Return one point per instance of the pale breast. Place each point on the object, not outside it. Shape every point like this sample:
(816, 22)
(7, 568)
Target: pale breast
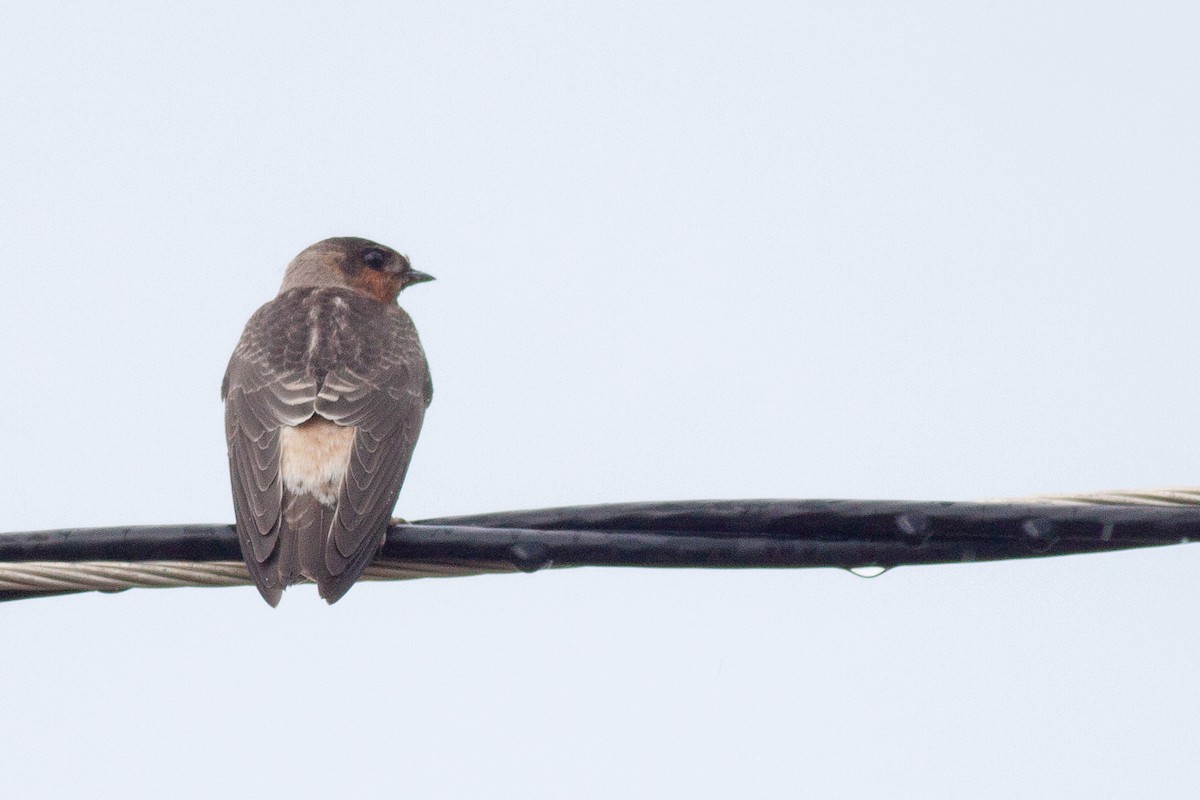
(313, 458)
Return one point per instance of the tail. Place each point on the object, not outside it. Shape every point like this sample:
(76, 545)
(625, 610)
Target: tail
(302, 543)
(306, 522)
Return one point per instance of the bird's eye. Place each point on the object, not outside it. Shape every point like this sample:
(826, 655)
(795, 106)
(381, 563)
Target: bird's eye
(373, 259)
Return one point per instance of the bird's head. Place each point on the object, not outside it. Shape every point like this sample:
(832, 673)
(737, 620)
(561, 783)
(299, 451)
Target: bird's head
(374, 269)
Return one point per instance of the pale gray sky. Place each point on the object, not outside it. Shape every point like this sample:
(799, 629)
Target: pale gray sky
(866, 250)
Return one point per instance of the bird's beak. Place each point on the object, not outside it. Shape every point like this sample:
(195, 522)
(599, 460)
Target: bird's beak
(413, 276)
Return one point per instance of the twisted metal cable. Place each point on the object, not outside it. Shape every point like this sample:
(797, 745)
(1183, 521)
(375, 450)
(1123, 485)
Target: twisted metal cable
(734, 533)
(1158, 497)
(115, 576)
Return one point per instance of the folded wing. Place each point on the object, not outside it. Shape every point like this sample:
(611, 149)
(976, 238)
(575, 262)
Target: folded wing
(381, 390)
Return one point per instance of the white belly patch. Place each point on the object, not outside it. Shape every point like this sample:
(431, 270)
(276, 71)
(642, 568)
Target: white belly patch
(313, 458)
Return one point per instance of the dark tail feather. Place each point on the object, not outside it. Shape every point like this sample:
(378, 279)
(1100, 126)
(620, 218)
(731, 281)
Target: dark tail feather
(302, 543)
(306, 524)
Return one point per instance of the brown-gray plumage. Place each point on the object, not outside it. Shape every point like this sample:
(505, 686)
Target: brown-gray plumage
(324, 399)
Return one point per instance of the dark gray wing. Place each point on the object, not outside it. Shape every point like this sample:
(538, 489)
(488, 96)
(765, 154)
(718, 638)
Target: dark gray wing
(267, 385)
(381, 387)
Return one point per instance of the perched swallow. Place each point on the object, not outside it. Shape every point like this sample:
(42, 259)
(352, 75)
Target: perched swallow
(324, 399)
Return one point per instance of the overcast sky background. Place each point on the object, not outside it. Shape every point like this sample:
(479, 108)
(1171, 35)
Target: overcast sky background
(844, 250)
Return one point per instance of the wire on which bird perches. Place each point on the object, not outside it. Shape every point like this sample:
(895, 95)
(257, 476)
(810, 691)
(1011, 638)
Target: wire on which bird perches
(850, 534)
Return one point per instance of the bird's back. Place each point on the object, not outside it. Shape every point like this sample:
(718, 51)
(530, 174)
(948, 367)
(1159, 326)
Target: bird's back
(325, 395)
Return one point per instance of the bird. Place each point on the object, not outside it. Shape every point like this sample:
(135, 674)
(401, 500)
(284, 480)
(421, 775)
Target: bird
(325, 394)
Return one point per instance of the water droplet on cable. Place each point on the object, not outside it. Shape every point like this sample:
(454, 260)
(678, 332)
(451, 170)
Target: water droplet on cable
(869, 570)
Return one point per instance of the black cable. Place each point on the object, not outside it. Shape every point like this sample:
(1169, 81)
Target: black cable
(725, 533)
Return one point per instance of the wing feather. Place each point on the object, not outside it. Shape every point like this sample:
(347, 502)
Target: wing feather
(383, 396)
(266, 386)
